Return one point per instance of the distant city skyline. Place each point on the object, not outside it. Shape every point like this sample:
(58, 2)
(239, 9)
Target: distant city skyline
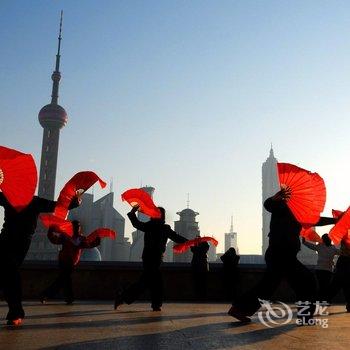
(186, 97)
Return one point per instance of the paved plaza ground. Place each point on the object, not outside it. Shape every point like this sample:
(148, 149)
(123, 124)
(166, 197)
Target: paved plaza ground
(95, 325)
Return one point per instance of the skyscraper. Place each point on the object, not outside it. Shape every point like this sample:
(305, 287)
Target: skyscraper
(212, 256)
(231, 238)
(101, 213)
(269, 187)
(52, 118)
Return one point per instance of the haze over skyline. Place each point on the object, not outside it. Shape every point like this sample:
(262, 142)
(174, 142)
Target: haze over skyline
(185, 97)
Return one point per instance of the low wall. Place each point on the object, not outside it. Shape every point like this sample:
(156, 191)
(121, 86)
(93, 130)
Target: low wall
(100, 280)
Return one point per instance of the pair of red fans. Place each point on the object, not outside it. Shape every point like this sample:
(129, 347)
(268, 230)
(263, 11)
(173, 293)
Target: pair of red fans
(137, 196)
(307, 201)
(73, 189)
(18, 181)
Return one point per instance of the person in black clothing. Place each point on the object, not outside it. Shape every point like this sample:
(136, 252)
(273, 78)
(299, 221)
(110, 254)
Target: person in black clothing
(156, 236)
(281, 262)
(230, 272)
(200, 268)
(15, 239)
(325, 261)
(341, 277)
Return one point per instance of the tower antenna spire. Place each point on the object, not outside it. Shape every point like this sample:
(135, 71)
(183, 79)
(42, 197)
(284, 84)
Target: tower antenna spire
(56, 75)
(111, 185)
(188, 200)
(58, 56)
(231, 227)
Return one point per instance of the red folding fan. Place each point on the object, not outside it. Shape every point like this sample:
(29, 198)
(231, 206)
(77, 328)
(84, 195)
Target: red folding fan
(9, 153)
(18, 177)
(137, 196)
(341, 228)
(182, 247)
(101, 233)
(310, 234)
(77, 185)
(57, 224)
(308, 192)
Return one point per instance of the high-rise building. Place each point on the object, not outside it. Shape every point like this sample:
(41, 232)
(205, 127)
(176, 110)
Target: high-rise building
(269, 187)
(101, 213)
(137, 236)
(212, 256)
(52, 118)
(187, 227)
(231, 238)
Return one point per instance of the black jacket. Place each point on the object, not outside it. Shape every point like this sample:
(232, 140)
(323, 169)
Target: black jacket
(284, 228)
(20, 225)
(156, 236)
(199, 260)
(23, 223)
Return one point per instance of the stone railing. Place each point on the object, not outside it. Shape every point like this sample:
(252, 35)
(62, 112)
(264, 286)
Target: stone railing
(100, 280)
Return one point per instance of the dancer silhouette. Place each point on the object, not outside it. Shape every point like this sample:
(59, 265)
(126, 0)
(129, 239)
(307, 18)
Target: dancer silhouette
(341, 275)
(200, 268)
(15, 238)
(325, 263)
(281, 262)
(68, 258)
(230, 273)
(156, 236)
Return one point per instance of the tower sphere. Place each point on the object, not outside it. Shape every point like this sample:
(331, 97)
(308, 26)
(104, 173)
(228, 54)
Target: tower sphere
(53, 116)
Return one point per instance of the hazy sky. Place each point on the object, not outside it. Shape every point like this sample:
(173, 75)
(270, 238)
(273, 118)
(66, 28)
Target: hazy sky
(185, 96)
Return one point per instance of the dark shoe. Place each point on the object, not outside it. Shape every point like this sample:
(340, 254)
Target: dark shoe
(16, 323)
(348, 307)
(118, 300)
(43, 299)
(69, 301)
(156, 308)
(239, 315)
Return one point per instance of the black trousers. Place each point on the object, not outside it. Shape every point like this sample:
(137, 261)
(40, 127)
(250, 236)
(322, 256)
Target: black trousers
(281, 265)
(341, 279)
(324, 279)
(199, 279)
(12, 254)
(151, 278)
(63, 281)
(230, 279)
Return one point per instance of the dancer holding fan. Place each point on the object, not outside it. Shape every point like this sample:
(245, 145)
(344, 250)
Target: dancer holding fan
(156, 236)
(18, 179)
(341, 276)
(68, 234)
(340, 234)
(326, 252)
(69, 256)
(299, 203)
(199, 247)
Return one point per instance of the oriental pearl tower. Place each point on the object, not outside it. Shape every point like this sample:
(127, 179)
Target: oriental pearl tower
(52, 118)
